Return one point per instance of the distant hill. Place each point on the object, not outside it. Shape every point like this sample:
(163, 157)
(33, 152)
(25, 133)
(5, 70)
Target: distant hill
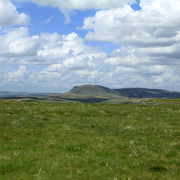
(94, 94)
(147, 93)
(93, 90)
(96, 90)
(20, 94)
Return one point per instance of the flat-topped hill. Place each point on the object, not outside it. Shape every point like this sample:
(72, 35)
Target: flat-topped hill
(93, 90)
(96, 90)
(95, 94)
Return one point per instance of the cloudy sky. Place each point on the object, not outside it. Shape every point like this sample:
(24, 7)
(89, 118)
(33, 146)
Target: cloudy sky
(53, 45)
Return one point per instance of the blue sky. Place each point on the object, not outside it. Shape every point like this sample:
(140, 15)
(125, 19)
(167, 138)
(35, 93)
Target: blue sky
(53, 45)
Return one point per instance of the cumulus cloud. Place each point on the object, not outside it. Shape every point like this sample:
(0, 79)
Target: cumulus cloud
(149, 56)
(16, 42)
(57, 62)
(85, 4)
(150, 36)
(18, 75)
(9, 16)
(60, 57)
(66, 6)
(99, 69)
(156, 24)
(132, 68)
(127, 56)
(46, 48)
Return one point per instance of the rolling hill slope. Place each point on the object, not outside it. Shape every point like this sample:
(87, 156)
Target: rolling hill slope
(147, 93)
(95, 90)
(94, 94)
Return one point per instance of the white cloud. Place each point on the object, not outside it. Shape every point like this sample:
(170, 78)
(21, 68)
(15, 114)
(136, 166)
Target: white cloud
(85, 4)
(125, 56)
(18, 75)
(17, 43)
(149, 56)
(46, 48)
(9, 16)
(60, 57)
(66, 6)
(48, 20)
(149, 37)
(156, 24)
(57, 62)
(135, 73)
(55, 68)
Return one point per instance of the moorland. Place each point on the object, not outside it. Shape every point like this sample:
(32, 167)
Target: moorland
(94, 94)
(48, 139)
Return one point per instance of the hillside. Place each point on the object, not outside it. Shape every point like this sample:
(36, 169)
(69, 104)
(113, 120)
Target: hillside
(147, 93)
(93, 90)
(94, 94)
(8, 94)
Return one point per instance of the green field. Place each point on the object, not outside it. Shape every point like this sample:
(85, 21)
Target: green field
(43, 140)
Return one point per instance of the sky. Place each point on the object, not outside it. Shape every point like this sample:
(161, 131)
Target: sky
(53, 45)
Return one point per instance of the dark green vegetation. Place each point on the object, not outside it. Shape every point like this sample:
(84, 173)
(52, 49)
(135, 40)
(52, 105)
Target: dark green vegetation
(40, 140)
(96, 90)
(8, 94)
(95, 94)
(147, 93)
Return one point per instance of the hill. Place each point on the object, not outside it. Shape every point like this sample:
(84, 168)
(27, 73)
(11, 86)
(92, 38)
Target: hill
(147, 93)
(95, 94)
(93, 90)
(21, 94)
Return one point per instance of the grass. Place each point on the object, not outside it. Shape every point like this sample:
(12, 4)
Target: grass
(42, 140)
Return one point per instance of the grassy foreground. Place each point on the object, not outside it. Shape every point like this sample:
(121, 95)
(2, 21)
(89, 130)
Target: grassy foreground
(40, 140)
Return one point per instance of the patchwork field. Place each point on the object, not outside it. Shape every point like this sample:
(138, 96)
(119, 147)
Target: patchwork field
(43, 140)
